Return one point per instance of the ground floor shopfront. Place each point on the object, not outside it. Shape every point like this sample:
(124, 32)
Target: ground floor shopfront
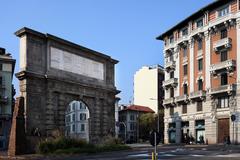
(211, 125)
(203, 130)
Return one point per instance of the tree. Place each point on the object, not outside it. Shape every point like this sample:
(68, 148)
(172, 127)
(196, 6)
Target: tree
(147, 123)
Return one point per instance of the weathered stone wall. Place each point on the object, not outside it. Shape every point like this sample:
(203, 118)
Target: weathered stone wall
(48, 91)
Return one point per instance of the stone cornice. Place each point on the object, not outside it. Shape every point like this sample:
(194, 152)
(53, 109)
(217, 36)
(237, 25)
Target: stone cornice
(23, 74)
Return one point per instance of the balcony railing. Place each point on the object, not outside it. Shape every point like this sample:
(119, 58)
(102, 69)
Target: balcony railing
(170, 46)
(183, 98)
(168, 101)
(198, 30)
(228, 65)
(170, 65)
(170, 83)
(183, 39)
(222, 43)
(229, 88)
(197, 95)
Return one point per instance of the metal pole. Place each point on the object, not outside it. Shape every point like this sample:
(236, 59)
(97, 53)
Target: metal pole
(155, 145)
(233, 133)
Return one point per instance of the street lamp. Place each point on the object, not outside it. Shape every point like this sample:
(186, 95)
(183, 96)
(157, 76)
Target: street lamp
(157, 113)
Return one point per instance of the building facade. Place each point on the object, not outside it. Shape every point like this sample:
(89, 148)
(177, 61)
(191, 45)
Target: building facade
(7, 65)
(77, 120)
(54, 73)
(129, 122)
(148, 89)
(202, 75)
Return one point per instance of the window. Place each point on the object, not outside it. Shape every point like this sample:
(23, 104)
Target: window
(223, 102)
(73, 128)
(224, 56)
(224, 33)
(1, 128)
(171, 92)
(82, 129)
(1, 144)
(185, 89)
(73, 106)
(132, 118)
(184, 51)
(1, 80)
(224, 79)
(200, 64)
(223, 12)
(185, 70)
(1, 66)
(200, 84)
(172, 74)
(171, 57)
(184, 109)
(73, 117)
(199, 23)
(200, 44)
(132, 126)
(82, 106)
(83, 116)
(199, 106)
(171, 39)
(185, 31)
(171, 111)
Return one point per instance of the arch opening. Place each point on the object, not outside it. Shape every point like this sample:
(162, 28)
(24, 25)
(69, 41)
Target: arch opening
(77, 120)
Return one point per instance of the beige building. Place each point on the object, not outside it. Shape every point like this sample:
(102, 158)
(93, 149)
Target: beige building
(202, 75)
(147, 86)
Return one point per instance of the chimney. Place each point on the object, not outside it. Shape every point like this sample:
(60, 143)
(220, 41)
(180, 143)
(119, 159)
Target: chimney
(2, 51)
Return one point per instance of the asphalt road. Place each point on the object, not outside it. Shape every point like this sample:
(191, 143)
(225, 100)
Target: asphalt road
(164, 152)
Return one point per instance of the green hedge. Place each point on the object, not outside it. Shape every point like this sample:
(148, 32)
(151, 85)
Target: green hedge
(73, 146)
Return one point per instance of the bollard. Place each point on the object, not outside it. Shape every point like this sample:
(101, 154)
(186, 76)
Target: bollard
(153, 156)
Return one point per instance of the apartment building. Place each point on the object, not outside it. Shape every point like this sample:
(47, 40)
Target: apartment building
(202, 75)
(148, 89)
(129, 122)
(7, 65)
(77, 120)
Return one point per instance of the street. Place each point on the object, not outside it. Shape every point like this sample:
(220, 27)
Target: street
(215, 152)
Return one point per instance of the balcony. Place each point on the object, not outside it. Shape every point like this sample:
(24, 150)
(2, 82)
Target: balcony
(183, 39)
(3, 99)
(168, 101)
(170, 83)
(229, 88)
(197, 95)
(170, 66)
(198, 31)
(222, 44)
(170, 47)
(181, 99)
(227, 65)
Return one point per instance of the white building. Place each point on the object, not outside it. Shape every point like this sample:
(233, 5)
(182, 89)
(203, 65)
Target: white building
(147, 86)
(76, 120)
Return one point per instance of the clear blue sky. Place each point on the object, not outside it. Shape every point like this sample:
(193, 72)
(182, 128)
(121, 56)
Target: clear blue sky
(124, 29)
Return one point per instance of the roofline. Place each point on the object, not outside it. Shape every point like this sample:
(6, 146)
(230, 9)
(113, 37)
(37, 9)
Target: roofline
(26, 30)
(193, 17)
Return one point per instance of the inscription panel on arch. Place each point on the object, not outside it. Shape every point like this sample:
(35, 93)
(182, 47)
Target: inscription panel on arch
(70, 62)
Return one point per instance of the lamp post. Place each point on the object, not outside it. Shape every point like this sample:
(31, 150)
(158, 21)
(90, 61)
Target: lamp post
(157, 112)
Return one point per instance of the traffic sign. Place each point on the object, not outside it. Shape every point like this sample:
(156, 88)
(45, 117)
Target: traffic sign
(233, 117)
